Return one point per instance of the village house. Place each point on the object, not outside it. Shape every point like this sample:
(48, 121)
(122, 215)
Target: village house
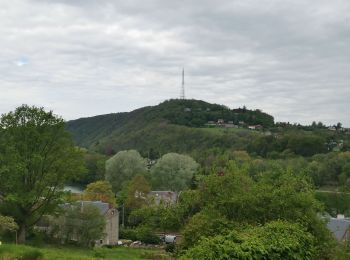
(111, 215)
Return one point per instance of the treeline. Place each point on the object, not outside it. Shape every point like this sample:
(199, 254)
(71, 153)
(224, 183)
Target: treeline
(196, 113)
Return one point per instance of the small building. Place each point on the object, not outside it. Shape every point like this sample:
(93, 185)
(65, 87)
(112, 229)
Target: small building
(165, 197)
(111, 215)
(187, 109)
(339, 226)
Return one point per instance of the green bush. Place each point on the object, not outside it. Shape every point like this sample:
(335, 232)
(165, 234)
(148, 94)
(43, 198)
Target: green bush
(142, 233)
(128, 233)
(275, 240)
(145, 235)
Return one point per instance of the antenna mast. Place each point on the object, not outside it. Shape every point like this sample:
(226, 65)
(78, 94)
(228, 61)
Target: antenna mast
(183, 85)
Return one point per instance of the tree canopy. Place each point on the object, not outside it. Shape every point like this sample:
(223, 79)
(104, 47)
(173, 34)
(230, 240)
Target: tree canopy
(100, 190)
(123, 166)
(173, 172)
(37, 157)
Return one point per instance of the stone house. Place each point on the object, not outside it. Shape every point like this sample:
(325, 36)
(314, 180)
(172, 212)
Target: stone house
(111, 215)
(112, 222)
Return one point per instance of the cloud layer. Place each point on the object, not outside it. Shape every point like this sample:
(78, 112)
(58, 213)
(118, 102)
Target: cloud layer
(87, 57)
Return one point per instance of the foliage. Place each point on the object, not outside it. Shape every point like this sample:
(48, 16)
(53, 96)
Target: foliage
(143, 233)
(122, 167)
(275, 194)
(275, 240)
(137, 193)
(9, 251)
(100, 191)
(7, 224)
(81, 222)
(37, 158)
(173, 172)
(204, 224)
(95, 165)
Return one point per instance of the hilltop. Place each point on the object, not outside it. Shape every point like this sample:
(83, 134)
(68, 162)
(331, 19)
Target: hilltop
(174, 125)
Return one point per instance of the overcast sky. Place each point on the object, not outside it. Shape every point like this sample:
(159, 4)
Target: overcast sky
(80, 58)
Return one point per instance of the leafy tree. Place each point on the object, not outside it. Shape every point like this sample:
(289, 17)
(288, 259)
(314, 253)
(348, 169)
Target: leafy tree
(137, 192)
(275, 240)
(81, 222)
(123, 166)
(95, 165)
(173, 172)
(37, 158)
(206, 223)
(7, 224)
(100, 190)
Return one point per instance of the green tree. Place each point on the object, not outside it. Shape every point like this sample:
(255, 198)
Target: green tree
(82, 222)
(173, 172)
(37, 157)
(100, 190)
(275, 240)
(7, 224)
(123, 166)
(137, 193)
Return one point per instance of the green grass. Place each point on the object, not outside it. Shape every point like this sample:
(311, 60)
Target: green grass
(10, 251)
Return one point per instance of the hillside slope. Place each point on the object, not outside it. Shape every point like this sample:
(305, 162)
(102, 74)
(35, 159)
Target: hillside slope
(174, 125)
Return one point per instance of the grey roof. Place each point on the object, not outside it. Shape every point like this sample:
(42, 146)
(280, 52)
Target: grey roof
(338, 227)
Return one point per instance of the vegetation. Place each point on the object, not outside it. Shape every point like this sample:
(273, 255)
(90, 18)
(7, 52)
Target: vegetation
(122, 167)
(79, 222)
(100, 191)
(72, 253)
(37, 157)
(275, 240)
(242, 194)
(173, 172)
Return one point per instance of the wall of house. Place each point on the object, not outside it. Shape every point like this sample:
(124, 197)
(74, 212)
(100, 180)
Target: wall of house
(112, 227)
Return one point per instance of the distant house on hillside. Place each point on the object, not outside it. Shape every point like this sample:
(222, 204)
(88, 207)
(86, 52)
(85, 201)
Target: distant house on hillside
(165, 197)
(339, 226)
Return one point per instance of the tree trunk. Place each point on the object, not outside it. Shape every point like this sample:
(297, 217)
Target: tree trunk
(22, 234)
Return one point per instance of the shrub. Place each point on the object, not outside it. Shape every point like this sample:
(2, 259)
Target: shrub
(145, 235)
(127, 233)
(142, 233)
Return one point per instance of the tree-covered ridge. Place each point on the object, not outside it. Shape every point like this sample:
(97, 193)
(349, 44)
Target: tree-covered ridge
(193, 113)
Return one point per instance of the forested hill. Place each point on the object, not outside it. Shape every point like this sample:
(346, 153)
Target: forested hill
(170, 123)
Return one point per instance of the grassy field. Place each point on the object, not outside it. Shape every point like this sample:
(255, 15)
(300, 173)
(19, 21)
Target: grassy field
(10, 251)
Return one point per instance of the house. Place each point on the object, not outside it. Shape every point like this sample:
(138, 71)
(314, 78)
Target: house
(339, 226)
(111, 215)
(165, 197)
(112, 221)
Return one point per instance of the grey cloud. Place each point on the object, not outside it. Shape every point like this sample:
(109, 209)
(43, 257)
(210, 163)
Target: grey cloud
(288, 58)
